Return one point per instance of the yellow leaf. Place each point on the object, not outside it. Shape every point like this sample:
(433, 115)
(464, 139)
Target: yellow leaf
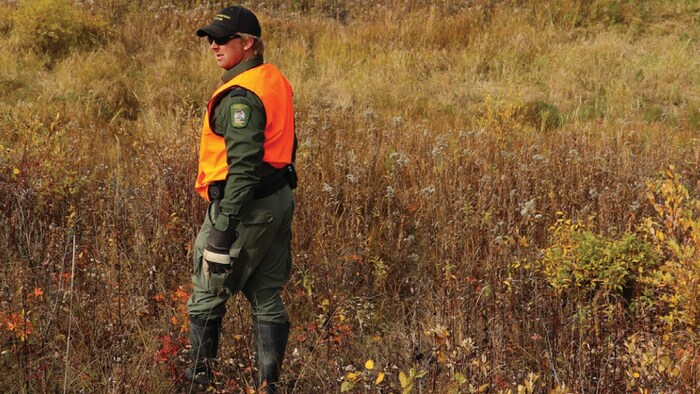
(15, 171)
(346, 386)
(483, 387)
(636, 375)
(352, 377)
(369, 365)
(380, 378)
(441, 357)
(405, 382)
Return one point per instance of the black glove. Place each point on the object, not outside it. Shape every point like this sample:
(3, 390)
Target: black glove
(216, 254)
(216, 261)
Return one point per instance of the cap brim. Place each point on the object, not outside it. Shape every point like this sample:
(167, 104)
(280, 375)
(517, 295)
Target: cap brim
(215, 31)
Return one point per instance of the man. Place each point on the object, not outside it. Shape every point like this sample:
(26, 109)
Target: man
(245, 171)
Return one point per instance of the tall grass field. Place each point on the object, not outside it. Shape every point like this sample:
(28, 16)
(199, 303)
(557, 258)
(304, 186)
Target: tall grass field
(495, 196)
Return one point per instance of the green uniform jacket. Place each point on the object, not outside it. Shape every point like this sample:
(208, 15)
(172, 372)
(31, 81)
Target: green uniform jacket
(244, 145)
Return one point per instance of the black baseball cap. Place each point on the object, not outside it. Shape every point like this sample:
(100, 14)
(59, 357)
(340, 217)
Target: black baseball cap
(232, 20)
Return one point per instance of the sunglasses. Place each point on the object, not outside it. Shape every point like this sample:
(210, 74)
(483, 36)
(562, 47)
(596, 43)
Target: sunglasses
(222, 40)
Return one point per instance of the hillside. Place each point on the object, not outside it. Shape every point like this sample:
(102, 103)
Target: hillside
(495, 196)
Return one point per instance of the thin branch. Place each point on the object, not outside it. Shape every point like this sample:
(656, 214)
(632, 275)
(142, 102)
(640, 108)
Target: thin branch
(70, 316)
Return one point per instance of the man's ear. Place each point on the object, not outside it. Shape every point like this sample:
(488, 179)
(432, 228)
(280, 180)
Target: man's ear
(249, 43)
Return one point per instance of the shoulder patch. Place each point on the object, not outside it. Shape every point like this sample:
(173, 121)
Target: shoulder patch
(240, 115)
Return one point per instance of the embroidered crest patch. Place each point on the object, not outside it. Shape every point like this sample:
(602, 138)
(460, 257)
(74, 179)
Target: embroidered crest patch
(240, 115)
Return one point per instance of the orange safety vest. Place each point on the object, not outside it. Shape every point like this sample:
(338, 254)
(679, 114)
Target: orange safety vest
(275, 92)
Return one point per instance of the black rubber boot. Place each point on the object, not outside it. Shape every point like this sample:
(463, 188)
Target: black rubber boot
(204, 338)
(270, 343)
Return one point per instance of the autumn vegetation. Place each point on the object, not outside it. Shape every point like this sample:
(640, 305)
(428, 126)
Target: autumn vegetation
(496, 196)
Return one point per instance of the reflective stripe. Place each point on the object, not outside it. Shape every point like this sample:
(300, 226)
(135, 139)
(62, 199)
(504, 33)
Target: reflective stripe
(218, 258)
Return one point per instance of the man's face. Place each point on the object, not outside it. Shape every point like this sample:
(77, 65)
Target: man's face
(228, 52)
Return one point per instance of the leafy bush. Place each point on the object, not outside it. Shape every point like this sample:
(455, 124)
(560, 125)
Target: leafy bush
(647, 361)
(661, 259)
(55, 27)
(578, 258)
(655, 267)
(676, 233)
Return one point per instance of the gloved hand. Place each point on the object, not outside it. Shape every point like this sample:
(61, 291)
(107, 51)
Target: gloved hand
(216, 258)
(216, 261)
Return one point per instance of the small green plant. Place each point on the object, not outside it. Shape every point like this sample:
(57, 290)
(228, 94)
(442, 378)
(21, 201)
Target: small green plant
(407, 380)
(580, 259)
(542, 115)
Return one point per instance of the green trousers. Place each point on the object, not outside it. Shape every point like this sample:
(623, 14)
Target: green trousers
(261, 258)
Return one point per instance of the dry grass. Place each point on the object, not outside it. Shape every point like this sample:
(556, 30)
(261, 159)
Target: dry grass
(440, 141)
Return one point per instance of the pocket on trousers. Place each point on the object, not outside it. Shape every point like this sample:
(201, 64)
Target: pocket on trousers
(217, 282)
(259, 217)
(253, 227)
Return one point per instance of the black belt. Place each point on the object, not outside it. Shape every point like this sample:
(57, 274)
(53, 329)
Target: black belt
(270, 187)
(216, 189)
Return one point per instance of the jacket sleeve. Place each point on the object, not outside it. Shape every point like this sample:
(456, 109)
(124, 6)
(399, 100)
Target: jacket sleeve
(240, 116)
